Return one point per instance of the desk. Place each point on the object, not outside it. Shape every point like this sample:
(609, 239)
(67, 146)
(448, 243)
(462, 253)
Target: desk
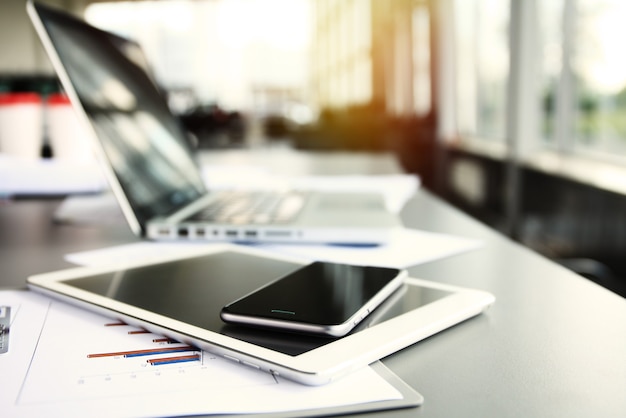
(553, 345)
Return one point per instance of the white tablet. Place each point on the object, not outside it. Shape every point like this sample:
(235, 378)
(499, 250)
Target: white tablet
(181, 298)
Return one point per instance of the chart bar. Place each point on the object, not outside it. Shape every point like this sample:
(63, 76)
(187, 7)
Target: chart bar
(141, 331)
(148, 352)
(173, 360)
(165, 340)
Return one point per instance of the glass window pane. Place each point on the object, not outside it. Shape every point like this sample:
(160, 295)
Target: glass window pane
(599, 65)
(421, 60)
(493, 67)
(465, 24)
(482, 48)
(550, 15)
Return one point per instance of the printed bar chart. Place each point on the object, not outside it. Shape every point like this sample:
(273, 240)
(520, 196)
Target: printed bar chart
(196, 355)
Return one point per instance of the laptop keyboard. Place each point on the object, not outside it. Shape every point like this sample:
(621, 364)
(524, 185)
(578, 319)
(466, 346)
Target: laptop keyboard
(252, 208)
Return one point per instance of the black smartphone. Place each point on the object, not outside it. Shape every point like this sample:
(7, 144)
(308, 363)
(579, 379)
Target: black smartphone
(320, 298)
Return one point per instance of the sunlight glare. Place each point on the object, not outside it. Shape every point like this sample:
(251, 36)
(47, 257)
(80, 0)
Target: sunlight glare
(283, 24)
(603, 62)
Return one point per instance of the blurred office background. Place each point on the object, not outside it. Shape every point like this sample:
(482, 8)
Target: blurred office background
(512, 110)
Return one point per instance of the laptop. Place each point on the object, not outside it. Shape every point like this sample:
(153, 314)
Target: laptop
(151, 167)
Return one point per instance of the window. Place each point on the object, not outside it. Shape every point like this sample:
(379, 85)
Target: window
(482, 58)
(551, 26)
(579, 93)
(343, 52)
(599, 68)
(421, 60)
(233, 52)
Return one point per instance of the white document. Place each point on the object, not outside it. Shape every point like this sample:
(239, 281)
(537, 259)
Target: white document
(64, 361)
(48, 177)
(408, 247)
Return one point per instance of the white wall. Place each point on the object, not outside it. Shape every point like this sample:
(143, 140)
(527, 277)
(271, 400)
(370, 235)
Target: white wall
(20, 49)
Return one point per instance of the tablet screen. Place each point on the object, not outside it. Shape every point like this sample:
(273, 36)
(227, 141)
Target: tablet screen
(194, 290)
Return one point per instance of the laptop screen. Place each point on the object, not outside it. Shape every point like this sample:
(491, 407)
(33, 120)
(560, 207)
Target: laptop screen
(143, 142)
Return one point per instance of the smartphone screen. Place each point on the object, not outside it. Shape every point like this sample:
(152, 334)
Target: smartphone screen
(320, 298)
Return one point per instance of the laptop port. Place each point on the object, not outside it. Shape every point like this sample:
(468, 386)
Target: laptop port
(183, 231)
(251, 234)
(200, 232)
(278, 234)
(231, 233)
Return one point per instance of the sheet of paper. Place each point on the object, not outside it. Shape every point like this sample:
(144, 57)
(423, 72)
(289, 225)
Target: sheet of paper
(138, 251)
(48, 177)
(64, 361)
(93, 209)
(408, 247)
